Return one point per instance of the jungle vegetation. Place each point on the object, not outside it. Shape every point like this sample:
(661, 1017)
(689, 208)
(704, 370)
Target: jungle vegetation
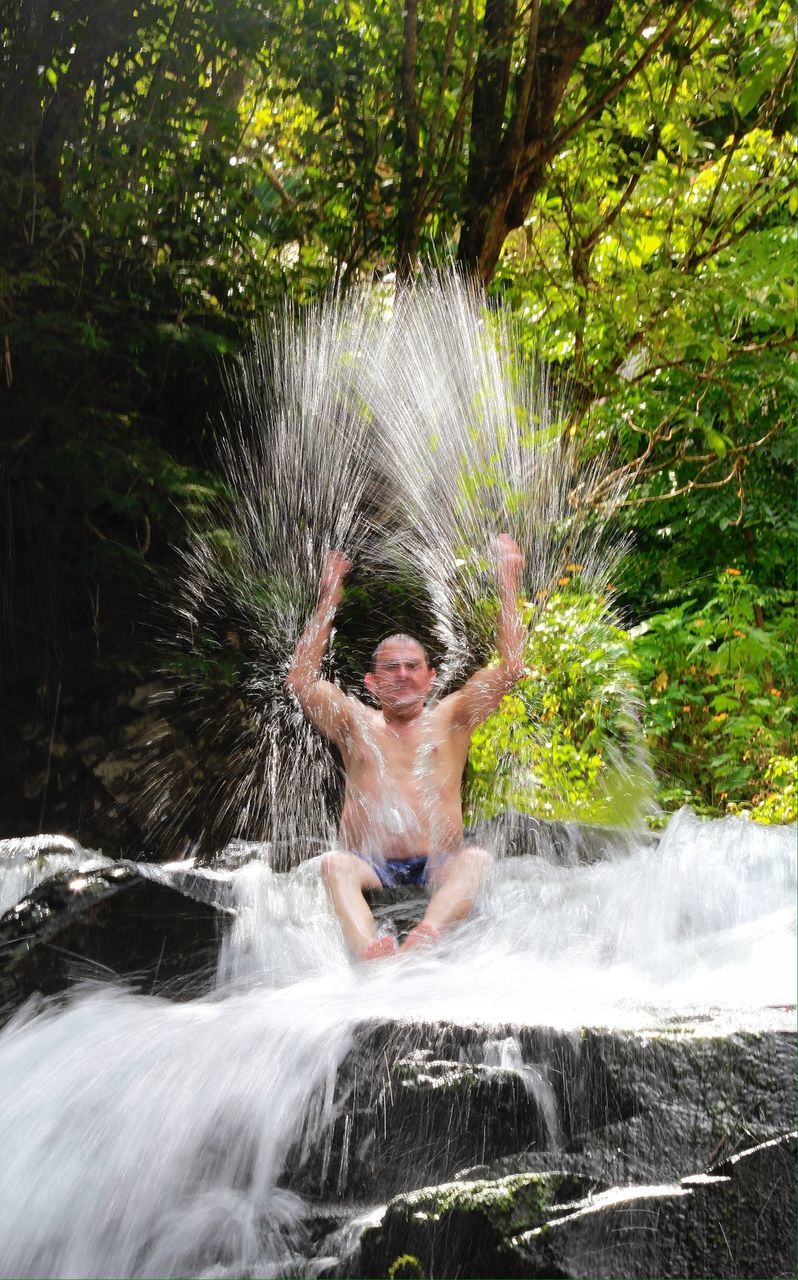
(620, 173)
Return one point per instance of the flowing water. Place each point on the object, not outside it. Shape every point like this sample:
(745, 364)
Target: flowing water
(141, 1137)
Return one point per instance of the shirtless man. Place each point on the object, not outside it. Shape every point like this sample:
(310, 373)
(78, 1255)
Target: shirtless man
(402, 820)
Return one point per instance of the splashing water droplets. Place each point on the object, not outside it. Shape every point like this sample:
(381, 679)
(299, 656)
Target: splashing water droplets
(409, 437)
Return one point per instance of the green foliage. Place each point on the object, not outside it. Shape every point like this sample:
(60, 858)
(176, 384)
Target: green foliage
(122, 227)
(659, 262)
(565, 743)
(406, 1267)
(779, 802)
(720, 696)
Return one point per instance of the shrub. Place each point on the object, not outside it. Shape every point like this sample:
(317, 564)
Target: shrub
(720, 697)
(566, 742)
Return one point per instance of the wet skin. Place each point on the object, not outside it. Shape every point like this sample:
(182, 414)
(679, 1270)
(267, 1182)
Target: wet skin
(404, 762)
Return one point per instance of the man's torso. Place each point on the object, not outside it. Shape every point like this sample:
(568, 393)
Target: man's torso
(402, 795)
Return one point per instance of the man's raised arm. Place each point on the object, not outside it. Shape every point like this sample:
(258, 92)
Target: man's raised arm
(324, 704)
(483, 692)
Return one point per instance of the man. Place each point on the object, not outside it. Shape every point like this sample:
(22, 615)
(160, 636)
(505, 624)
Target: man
(402, 820)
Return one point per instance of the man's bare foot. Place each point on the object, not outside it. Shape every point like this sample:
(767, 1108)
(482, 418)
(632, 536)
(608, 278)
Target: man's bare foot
(380, 948)
(424, 935)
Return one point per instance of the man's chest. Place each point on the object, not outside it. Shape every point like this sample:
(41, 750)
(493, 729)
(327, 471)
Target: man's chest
(409, 754)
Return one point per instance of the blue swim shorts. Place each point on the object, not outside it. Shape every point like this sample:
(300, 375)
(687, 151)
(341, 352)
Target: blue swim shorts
(394, 873)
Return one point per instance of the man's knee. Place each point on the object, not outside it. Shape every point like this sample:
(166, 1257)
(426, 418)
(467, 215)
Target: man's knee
(335, 866)
(478, 856)
(479, 861)
(471, 864)
(338, 868)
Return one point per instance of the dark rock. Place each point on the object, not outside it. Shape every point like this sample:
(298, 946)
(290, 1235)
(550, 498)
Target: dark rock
(423, 1103)
(466, 1228)
(426, 1104)
(741, 1224)
(108, 923)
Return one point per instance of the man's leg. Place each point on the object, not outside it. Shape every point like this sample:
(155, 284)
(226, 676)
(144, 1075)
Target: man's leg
(346, 876)
(455, 885)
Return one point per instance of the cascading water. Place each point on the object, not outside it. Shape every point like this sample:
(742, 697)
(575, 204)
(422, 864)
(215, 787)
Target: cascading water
(141, 1137)
(145, 1138)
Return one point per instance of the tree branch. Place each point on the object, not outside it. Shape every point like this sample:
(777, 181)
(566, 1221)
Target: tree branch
(446, 63)
(408, 182)
(614, 89)
(515, 129)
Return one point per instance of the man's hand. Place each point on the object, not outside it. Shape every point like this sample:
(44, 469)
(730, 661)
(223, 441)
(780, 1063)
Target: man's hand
(336, 567)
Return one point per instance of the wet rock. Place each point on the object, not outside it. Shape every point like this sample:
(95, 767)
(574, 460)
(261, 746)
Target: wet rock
(416, 1103)
(479, 1117)
(431, 1102)
(112, 922)
(741, 1223)
(466, 1229)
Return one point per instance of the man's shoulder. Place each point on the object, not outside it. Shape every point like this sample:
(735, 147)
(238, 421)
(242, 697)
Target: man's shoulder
(361, 715)
(446, 711)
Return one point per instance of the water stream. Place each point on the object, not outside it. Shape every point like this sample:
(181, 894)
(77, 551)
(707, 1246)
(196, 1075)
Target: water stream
(141, 1137)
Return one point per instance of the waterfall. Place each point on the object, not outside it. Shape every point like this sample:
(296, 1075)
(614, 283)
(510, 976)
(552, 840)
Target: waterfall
(141, 1137)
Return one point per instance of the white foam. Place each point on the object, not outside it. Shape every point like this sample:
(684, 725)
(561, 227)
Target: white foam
(145, 1138)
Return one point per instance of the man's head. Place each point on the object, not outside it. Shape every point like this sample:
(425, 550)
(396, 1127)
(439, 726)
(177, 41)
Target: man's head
(400, 677)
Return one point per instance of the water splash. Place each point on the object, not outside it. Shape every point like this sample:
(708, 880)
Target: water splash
(483, 436)
(144, 1138)
(705, 917)
(409, 436)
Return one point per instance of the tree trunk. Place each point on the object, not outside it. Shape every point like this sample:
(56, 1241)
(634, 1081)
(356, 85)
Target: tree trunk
(508, 164)
(108, 30)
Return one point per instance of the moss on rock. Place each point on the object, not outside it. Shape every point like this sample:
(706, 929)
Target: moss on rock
(465, 1228)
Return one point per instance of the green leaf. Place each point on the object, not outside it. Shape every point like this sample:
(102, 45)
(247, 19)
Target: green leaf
(716, 442)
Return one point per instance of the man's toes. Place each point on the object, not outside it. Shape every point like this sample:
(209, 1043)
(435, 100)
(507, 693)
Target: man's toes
(380, 948)
(424, 935)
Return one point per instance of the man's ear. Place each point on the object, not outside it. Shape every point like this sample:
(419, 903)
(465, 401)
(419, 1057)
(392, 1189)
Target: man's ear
(368, 681)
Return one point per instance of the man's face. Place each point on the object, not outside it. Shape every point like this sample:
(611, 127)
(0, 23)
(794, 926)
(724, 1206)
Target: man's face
(401, 679)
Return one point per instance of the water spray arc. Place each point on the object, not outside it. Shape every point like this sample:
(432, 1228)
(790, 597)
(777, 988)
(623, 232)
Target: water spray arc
(409, 433)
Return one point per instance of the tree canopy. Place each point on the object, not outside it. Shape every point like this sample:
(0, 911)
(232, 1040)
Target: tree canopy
(616, 172)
